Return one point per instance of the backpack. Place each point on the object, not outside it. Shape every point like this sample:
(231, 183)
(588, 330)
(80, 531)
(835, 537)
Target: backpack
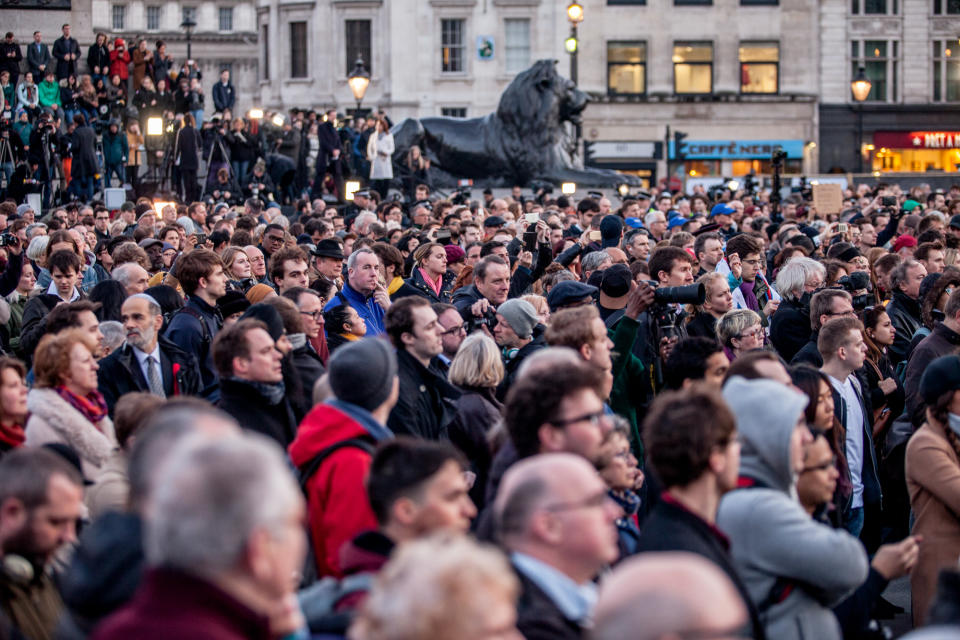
(304, 473)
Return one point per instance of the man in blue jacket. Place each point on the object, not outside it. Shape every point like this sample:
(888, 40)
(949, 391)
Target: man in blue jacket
(364, 291)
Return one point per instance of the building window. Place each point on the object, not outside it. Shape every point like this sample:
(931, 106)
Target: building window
(759, 67)
(188, 13)
(693, 2)
(516, 32)
(946, 71)
(358, 44)
(452, 49)
(880, 60)
(875, 7)
(453, 112)
(226, 18)
(265, 43)
(626, 68)
(153, 18)
(298, 49)
(952, 7)
(615, 2)
(118, 17)
(759, 2)
(693, 67)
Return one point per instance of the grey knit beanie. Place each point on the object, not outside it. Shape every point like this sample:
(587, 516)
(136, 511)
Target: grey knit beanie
(520, 315)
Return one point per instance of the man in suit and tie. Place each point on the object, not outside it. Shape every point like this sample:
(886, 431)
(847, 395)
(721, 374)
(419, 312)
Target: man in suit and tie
(38, 56)
(147, 361)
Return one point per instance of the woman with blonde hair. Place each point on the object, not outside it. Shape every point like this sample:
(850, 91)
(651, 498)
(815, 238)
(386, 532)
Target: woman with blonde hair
(739, 331)
(236, 263)
(477, 370)
(430, 277)
(65, 404)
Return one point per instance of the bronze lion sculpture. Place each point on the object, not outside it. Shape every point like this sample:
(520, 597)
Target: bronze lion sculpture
(522, 143)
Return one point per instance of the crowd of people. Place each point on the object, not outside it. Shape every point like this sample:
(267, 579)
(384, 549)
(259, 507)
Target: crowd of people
(533, 416)
(73, 125)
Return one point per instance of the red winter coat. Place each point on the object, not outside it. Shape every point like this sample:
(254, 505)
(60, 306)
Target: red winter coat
(120, 63)
(337, 503)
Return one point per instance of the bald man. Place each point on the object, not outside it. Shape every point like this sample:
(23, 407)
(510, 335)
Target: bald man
(673, 594)
(553, 516)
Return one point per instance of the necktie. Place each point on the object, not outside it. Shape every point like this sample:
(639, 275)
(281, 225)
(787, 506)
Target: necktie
(153, 378)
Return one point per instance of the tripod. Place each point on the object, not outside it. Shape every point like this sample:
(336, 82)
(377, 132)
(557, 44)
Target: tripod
(217, 144)
(6, 159)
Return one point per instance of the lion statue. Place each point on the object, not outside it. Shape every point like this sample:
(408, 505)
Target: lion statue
(522, 143)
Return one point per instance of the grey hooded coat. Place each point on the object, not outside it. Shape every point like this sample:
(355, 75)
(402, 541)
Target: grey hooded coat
(771, 536)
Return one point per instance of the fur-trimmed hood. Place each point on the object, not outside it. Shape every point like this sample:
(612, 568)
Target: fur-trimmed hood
(53, 419)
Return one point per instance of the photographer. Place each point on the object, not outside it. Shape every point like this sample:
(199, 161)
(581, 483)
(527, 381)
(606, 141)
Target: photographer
(259, 184)
(242, 146)
(663, 324)
(215, 149)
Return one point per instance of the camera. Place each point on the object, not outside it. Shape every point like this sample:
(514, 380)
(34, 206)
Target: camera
(888, 201)
(9, 240)
(663, 315)
(856, 281)
(461, 196)
(689, 294)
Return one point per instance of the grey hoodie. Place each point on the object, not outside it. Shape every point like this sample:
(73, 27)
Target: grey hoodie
(771, 535)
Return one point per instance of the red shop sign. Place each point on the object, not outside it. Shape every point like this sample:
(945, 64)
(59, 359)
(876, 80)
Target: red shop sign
(917, 139)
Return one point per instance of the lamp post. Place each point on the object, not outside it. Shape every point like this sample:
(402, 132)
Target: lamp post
(861, 89)
(187, 25)
(359, 80)
(572, 44)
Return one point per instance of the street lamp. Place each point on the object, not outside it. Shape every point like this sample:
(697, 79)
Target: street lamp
(187, 25)
(359, 80)
(575, 16)
(861, 89)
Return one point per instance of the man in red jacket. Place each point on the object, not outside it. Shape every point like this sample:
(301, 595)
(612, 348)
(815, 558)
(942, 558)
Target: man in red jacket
(343, 432)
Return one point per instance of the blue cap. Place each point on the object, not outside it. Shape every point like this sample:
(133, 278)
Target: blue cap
(721, 209)
(633, 223)
(676, 221)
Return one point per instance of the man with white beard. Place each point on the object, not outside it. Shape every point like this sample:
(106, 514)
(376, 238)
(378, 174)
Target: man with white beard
(147, 361)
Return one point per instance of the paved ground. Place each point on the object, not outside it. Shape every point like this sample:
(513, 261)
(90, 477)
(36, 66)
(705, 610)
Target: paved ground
(898, 592)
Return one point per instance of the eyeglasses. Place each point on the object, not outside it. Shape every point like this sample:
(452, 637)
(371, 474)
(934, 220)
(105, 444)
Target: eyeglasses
(750, 333)
(593, 418)
(752, 263)
(274, 238)
(823, 466)
(596, 500)
(460, 328)
(313, 314)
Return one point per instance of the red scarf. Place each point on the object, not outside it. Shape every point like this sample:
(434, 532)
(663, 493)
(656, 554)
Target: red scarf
(93, 406)
(12, 435)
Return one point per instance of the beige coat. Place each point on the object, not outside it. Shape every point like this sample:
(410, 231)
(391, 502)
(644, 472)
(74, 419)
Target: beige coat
(53, 419)
(933, 480)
